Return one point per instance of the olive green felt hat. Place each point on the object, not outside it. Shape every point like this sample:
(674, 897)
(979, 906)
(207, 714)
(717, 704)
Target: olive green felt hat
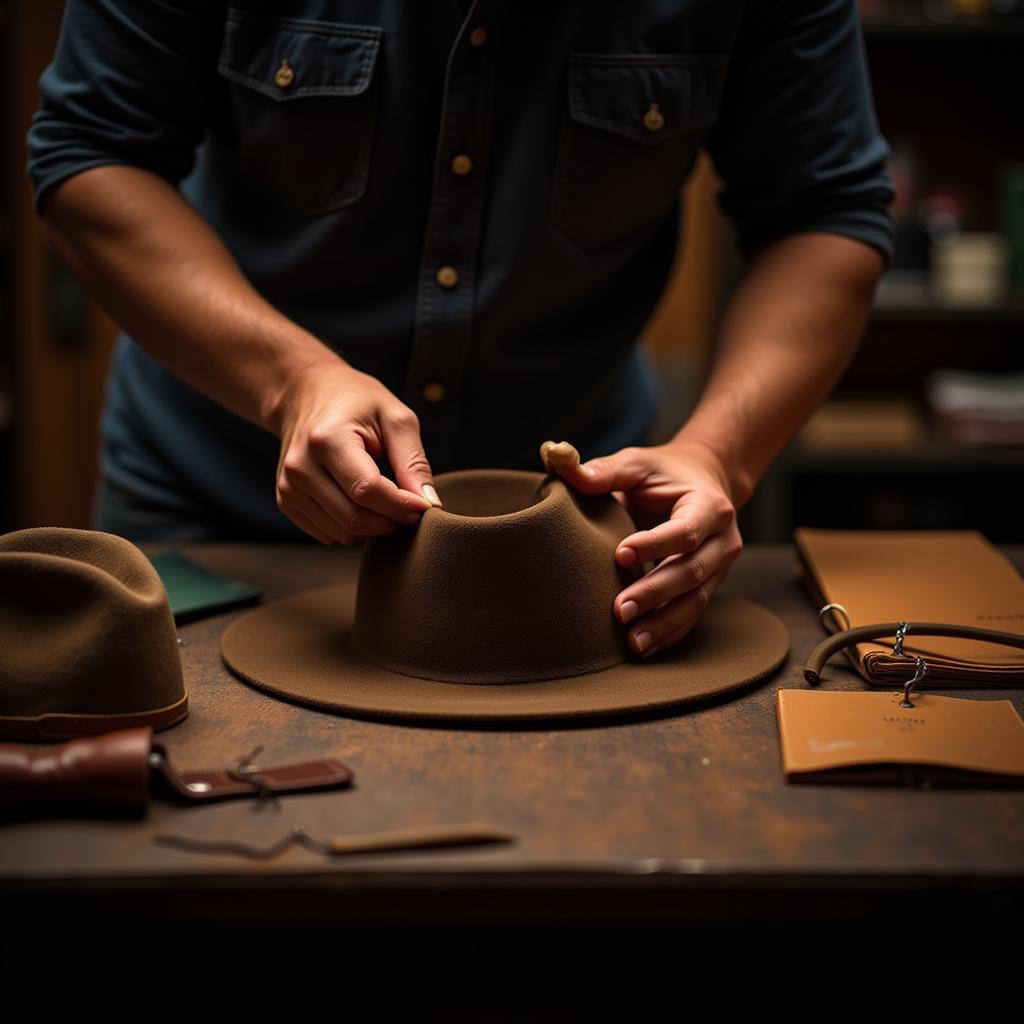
(496, 607)
(87, 640)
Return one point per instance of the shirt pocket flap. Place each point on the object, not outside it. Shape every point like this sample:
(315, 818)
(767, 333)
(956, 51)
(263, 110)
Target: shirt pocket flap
(288, 58)
(646, 97)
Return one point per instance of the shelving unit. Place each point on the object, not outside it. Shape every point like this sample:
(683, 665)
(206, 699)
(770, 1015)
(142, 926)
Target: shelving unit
(909, 22)
(956, 89)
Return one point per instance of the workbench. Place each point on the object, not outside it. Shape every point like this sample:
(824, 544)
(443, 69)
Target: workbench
(662, 849)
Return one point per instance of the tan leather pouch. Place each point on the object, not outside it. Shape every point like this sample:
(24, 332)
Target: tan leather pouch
(954, 577)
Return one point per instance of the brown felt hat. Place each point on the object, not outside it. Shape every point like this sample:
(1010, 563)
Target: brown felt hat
(87, 639)
(496, 607)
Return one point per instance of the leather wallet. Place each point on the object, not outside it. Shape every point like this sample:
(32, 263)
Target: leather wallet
(123, 768)
(953, 577)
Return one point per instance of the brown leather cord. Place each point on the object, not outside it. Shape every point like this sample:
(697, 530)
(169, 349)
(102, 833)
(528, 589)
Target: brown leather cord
(886, 630)
(297, 835)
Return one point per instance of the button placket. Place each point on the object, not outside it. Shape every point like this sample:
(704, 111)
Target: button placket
(444, 322)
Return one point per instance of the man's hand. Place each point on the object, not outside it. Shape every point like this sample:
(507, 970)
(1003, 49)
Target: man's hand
(791, 326)
(168, 279)
(334, 421)
(679, 494)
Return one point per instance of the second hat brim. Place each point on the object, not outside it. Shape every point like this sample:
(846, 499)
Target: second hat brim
(299, 648)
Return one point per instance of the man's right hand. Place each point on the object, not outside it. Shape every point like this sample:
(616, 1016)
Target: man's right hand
(334, 421)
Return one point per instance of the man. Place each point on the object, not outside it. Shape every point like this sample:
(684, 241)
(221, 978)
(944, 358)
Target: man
(343, 236)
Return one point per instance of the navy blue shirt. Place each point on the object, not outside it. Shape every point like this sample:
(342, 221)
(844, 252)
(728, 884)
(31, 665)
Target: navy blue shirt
(501, 295)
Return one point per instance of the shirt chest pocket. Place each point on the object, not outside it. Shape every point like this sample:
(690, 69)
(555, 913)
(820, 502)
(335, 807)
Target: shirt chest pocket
(630, 134)
(302, 102)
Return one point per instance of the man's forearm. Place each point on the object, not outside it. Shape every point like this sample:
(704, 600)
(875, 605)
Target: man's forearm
(163, 274)
(791, 327)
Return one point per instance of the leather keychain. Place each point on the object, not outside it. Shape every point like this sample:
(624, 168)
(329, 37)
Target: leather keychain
(124, 767)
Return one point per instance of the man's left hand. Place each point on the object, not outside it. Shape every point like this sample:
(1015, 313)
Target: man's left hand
(679, 494)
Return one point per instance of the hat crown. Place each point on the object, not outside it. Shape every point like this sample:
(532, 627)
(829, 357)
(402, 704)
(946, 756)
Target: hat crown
(513, 580)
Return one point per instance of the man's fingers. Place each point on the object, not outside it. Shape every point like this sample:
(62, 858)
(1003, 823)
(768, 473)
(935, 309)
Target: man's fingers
(670, 623)
(406, 455)
(677, 575)
(310, 527)
(350, 517)
(618, 472)
(305, 512)
(697, 515)
(359, 477)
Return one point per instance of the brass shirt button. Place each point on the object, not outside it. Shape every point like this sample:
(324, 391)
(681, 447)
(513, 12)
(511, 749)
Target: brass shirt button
(433, 391)
(447, 277)
(461, 165)
(284, 75)
(478, 36)
(654, 120)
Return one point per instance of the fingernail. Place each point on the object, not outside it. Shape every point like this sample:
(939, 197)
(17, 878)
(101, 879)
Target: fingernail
(653, 650)
(643, 641)
(628, 610)
(431, 495)
(626, 556)
(589, 470)
(413, 519)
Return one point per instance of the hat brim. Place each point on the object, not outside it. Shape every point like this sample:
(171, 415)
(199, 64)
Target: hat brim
(299, 648)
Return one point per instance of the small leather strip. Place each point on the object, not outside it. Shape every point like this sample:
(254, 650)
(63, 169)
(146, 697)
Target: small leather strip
(58, 726)
(201, 786)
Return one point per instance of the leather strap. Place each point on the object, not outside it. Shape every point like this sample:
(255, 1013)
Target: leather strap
(247, 779)
(886, 630)
(117, 768)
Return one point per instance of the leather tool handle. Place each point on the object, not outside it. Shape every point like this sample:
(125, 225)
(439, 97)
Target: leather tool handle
(418, 838)
(109, 769)
(885, 630)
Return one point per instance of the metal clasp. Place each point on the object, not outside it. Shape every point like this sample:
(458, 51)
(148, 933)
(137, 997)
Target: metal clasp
(921, 667)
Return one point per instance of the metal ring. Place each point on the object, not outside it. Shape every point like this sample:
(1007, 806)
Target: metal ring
(833, 607)
(921, 667)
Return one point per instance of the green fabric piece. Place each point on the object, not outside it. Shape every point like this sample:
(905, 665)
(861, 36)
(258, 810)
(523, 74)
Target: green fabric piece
(194, 591)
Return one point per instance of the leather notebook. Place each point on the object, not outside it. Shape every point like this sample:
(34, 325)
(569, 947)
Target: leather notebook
(949, 576)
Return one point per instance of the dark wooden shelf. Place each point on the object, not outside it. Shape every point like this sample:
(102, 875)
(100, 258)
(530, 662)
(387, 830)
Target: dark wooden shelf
(912, 23)
(1009, 311)
(929, 458)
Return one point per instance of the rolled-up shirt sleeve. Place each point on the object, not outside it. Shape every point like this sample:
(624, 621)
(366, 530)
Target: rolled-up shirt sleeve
(128, 84)
(797, 145)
